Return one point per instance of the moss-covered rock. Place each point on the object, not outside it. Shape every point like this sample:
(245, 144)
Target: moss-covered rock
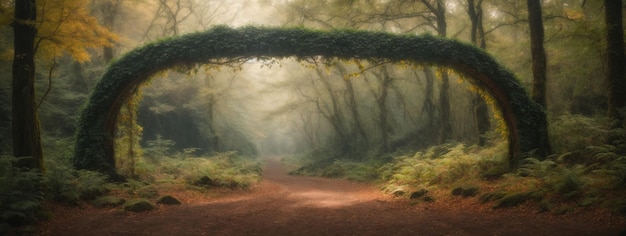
(511, 200)
(139, 204)
(204, 181)
(465, 191)
(108, 201)
(418, 194)
(168, 200)
(492, 196)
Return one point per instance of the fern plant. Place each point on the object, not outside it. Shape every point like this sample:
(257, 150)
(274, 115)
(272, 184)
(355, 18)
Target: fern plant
(616, 171)
(20, 194)
(441, 165)
(563, 180)
(67, 185)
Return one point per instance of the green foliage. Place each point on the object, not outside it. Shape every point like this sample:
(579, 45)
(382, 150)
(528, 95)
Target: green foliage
(586, 177)
(555, 178)
(158, 148)
(511, 200)
(573, 132)
(615, 170)
(20, 195)
(227, 169)
(64, 184)
(439, 165)
(362, 171)
(223, 169)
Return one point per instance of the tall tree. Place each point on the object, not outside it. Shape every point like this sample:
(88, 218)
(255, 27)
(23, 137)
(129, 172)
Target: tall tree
(438, 10)
(615, 62)
(26, 130)
(477, 37)
(539, 68)
(46, 29)
(109, 10)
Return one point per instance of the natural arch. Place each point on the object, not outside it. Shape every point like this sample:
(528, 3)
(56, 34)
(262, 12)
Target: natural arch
(525, 120)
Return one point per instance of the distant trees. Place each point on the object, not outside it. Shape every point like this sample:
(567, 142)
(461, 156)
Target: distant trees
(431, 113)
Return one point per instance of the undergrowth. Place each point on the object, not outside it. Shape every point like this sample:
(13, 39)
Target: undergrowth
(64, 184)
(327, 164)
(23, 192)
(442, 166)
(226, 169)
(20, 197)
(585, 172)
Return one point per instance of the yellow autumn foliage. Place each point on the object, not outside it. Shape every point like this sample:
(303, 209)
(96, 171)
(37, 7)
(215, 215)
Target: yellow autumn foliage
(63, 27)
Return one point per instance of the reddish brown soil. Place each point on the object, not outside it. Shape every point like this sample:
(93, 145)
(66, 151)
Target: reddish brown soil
(291, 205)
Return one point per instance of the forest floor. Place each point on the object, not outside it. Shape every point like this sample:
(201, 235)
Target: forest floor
(282, 204)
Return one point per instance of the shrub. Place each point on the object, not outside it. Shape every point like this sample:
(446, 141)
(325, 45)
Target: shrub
(558, 178)
(64, 184)
(444, 164)
(223, 169)
(572, 132)
(20, 195)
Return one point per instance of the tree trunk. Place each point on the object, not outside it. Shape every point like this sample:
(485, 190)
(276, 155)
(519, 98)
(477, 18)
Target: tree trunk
(334, 114)
(381, 100)
(479, 106)
(445, 131)
(26, 130)
(429, 106)
(538, 53)
(109, 10)
(353, 106)
(445, 128)
(615, 62)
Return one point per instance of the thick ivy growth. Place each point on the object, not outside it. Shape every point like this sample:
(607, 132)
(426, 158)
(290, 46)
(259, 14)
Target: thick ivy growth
(96, 127)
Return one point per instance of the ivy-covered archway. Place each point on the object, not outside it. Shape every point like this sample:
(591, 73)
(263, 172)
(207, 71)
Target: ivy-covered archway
(525, 120)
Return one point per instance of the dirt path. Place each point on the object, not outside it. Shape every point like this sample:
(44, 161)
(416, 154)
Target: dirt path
(292, 205)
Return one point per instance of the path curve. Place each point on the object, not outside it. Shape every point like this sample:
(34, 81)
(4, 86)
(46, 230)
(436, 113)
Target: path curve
(293, 205)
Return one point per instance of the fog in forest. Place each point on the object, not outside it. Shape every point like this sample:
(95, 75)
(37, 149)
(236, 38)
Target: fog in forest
(412, 129)
(264, 106)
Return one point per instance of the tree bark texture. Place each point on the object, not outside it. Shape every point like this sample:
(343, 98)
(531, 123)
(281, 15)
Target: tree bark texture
(615, 62)
(535, 22)
(25, 123)
(479, 106)
(538, 53)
